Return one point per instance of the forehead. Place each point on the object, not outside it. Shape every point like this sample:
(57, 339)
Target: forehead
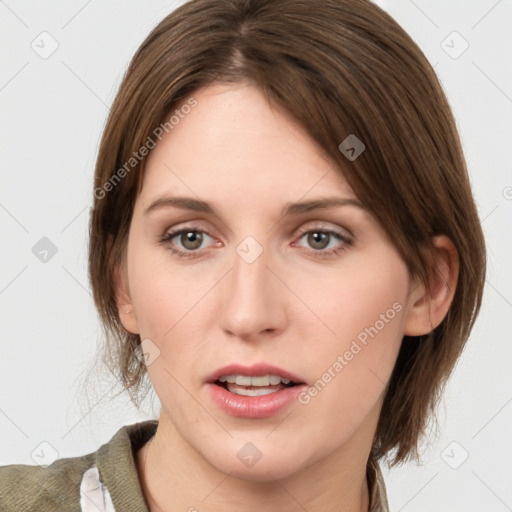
(233, 142)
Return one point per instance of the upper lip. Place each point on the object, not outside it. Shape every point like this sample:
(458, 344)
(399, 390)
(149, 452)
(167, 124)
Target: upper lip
(254, 370)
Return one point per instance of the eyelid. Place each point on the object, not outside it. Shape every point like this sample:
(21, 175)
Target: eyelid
(169, 234)
(190, 225)
(321, 226)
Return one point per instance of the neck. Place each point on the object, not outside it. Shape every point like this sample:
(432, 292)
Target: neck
(174, 477)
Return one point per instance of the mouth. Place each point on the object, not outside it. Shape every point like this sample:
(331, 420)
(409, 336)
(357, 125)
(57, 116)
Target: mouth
(246, 385)
(253, 392)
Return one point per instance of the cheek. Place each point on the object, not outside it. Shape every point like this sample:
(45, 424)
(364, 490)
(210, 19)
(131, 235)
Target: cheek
(365, 310)
(167, 299)
(171, 302)
(345, 306)
(361, 326)
(159, 291)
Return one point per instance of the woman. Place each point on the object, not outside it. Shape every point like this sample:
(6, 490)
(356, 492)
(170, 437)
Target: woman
(284, 238)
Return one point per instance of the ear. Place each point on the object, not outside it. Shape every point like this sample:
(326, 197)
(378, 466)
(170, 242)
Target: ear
(426, 309)
(124, 304)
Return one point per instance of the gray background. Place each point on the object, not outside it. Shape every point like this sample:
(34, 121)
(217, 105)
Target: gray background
(53, 110)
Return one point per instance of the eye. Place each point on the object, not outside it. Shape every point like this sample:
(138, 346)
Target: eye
(321, 239)
(185, 242)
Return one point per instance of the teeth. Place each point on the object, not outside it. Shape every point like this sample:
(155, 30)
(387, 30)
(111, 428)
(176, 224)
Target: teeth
(274, 379)
(228, 378)
(245, 380)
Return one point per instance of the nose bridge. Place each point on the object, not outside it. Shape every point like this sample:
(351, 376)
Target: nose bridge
(253, 303)
(247, 279)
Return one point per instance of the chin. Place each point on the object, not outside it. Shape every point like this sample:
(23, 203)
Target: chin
(260, 472)
(249, 463)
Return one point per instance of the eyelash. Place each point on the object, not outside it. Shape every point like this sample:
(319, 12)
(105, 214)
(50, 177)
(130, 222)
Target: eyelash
(347, 242)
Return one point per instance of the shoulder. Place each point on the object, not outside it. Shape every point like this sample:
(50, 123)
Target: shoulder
(106, 474)
(25, 488)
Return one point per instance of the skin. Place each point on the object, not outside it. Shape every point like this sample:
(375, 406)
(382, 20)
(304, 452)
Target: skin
(291, 307)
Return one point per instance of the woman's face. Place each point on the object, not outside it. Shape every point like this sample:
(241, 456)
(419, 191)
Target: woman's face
(225, 287)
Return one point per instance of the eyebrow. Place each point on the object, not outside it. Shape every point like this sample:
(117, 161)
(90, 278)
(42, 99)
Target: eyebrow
(197, 205)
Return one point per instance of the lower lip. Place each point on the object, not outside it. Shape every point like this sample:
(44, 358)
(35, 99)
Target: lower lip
(254, 407)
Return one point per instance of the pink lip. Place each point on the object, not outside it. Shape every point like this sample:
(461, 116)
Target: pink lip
(253, 407)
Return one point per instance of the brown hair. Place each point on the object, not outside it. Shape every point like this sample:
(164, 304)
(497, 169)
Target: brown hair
(339, 67)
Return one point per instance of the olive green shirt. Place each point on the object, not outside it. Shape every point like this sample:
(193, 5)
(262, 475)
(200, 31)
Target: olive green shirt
(106, 480)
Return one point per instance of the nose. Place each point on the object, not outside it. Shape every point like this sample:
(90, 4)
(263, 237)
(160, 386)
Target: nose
(253, 300)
